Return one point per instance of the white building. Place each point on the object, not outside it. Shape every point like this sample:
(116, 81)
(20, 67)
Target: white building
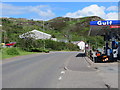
(36, 35)
(81, 45)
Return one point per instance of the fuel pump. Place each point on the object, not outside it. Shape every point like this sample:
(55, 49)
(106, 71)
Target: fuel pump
(114, 47)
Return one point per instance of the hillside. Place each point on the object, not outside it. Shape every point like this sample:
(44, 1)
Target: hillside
(61, 27)
(72, 27)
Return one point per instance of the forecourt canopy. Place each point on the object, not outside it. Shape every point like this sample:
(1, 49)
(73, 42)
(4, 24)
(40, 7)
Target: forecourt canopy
(104, 27)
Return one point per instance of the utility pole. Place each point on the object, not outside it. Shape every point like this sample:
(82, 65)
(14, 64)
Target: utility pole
(89, 31)
(4, 34)
(43, 36)
(69, 36)
(89, 45)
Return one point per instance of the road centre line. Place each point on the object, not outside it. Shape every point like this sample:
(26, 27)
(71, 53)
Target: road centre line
(62, 72)
(60, 78)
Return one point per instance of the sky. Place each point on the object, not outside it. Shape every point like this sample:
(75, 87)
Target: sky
(50, 10)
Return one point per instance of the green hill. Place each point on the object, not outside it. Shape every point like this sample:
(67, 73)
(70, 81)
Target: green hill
(72, 29)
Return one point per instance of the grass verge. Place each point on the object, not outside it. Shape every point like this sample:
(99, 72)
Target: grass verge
(20, 52)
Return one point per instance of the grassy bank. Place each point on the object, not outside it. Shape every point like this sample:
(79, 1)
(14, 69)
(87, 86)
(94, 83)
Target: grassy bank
(12, 52)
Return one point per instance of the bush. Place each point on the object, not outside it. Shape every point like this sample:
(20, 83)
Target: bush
(38, 45)
(39, 50)
(36, 50)
(72, 47)
(46, 51)
(12, 51)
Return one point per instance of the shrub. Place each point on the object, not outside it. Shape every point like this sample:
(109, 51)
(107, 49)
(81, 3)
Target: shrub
(12, 51)
(39, 50)
(38, 45)
(72, 47)
(46, 51)
(36, 50)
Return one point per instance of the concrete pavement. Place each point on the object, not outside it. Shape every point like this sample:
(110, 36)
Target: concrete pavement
(80, 74)
(109, 73)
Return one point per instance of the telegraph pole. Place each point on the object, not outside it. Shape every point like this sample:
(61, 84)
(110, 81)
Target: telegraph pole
(43, 36)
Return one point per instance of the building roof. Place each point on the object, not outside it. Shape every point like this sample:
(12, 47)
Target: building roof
(36, 34)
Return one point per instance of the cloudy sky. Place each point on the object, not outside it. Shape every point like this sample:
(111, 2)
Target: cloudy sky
(49, 10)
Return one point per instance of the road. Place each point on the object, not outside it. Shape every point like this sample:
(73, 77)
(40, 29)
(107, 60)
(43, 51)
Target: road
(50, 70)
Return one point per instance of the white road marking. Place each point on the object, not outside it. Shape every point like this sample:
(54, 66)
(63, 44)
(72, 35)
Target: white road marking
(60, 78)
(88, 66)
(62, 72)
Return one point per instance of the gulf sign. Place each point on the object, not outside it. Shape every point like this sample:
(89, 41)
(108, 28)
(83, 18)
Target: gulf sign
(105, 23)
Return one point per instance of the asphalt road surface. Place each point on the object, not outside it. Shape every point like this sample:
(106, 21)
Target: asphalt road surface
(50, 70)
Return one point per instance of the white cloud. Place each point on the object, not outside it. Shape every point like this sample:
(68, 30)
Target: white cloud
(112, 16)
(93, 10)
(42, 11)
(112, 8)
(8, 9)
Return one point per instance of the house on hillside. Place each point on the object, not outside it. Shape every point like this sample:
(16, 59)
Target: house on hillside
(37, 35)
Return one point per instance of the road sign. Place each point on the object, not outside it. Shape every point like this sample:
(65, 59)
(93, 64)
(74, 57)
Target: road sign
(115, 26)
(105, 23)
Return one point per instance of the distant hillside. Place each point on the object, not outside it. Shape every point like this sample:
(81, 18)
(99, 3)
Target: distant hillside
(72, 28)
(61, 27)
(79, 26)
